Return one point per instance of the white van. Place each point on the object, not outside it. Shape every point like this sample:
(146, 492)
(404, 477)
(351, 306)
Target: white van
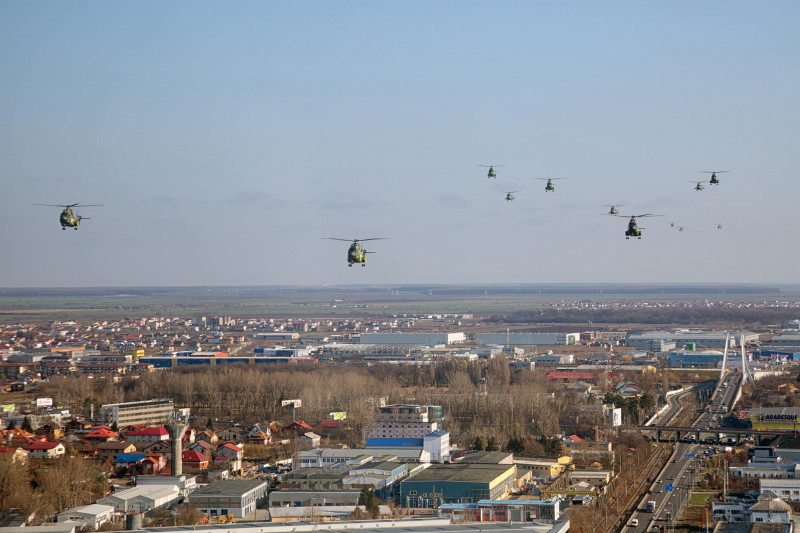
(634, 522)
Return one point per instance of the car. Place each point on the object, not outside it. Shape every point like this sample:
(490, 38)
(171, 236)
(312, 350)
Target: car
(634, 522)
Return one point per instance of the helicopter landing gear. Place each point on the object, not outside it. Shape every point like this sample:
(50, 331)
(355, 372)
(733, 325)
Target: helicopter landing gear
(639, 238)
(76, 229)
(363, 265)
(626, 237)
(63, 229)
(350, 265)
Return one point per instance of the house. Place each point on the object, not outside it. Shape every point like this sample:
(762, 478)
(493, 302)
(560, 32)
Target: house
(230, 453)
(201, 446)
(109, 450)
(164, 447)
(46, 450)
(299, 427)
(258, 437)
(102, 435)
(233, 433)
(310, 438)
(151, 434)
(51, 431)
(208, 435)
(152, 463)
(89, 516)
(128, 460)
(195, 461)
(770, 508)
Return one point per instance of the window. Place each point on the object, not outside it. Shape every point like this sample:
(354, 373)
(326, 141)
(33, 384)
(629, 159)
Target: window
(412, 493)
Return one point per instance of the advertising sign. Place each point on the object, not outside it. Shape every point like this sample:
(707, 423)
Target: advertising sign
(8, 408)
(44, 402)
(294, 403)
(339, 415)
(616, 417)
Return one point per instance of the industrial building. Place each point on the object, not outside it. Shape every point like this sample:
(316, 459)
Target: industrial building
(528, 338)
(554, 359)
(502, 511)
(237, 497)
(424, 339)
(695, 359)
(141, 499)
(458, 483)
(144, 412)
(173, 360)
(786, 339)
(682, 337)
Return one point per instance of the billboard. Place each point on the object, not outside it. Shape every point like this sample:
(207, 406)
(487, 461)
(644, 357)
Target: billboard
(616, 417)
(294, 403)
(44, 402)
(8, 408)
(339, 415)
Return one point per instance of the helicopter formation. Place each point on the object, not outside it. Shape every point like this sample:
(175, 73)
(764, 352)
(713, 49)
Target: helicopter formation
(633, 229)
(357, 254)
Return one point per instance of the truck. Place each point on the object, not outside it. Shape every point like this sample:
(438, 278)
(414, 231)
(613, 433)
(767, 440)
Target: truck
(651, 506)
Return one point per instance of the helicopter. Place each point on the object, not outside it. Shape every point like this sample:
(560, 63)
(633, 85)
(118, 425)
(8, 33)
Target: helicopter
(714, 180)
(549, 186)
(699, 186)
(510, 195)
(356, 254)
(613, 210)
(69, 219)
(492, 173)
(633, 229)
(719, 226)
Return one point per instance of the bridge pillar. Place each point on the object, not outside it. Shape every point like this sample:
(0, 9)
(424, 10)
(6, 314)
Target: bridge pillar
(677, 436)
(658, 435)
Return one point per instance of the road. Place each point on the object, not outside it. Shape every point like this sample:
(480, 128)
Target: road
(671, 488)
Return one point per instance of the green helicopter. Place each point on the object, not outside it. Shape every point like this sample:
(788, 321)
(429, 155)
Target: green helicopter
(633, 229)
(699, 185)
(68, 219)
(714, 180)
(510, 196)
(492, 173)
(613, 209)
(356, 254)
(549, 187)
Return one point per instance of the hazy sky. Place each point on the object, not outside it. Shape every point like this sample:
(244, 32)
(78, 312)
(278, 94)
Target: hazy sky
(226, 139)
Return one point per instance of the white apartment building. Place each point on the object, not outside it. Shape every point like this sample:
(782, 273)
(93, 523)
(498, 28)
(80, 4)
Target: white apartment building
(404, 422)
(144, 412)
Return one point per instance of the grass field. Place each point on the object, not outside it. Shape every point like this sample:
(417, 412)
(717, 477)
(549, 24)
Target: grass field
(700, 498)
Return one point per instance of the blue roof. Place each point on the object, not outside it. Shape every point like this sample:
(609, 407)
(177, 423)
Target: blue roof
(437, 433)
(129, 457)
(394, 443)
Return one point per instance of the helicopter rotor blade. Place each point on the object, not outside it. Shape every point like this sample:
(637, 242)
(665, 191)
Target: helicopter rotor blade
(713, 171)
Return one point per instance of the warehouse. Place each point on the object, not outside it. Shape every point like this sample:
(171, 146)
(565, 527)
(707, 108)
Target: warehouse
(458, 483)
(424, 339)
(237, 497)
(682, 337)
(528, 338)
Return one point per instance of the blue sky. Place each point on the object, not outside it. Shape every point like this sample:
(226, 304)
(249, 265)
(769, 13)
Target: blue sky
(226, 139)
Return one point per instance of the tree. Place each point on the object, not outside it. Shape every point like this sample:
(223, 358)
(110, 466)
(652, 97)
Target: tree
(491, 445)
(370, 502)
(15, 483)
(26, 424)
(189, 516)
(515, 445)
(114, 427)
(12, 424)
(70, 482)
(210, 423)
(480, 443)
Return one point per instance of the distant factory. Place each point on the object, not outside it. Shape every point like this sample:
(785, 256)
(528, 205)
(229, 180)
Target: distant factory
(423, 339)
(529, 338)
(683, 337)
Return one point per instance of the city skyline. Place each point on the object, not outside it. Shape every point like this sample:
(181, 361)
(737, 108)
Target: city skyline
(227, 141)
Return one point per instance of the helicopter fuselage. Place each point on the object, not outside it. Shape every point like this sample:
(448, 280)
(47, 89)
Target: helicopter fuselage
(633, 230)
(356, 255)
(69, 220)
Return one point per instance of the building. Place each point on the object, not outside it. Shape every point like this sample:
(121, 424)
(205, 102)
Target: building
(529, 339)
(696, 359)
(423, 339)
(403, 421)
(142, 498)
(786, 339)
(89, 516)
(237, 497)
(436, 443)
(46, 450)
(771, 509)
(521, 510)
(682, 337)
(458, 483)
(152, 434)
(144, 412)
(554, 359)
(785, 489)
(109, 450)
(543, 467)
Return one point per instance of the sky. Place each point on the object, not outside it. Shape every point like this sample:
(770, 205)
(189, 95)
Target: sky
(226, 140)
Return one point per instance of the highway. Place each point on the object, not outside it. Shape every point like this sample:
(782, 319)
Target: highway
(671, 488)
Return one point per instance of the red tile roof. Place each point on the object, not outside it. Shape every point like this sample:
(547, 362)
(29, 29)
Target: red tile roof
(232, 447)
(102, 434)
(42, 445)
(191, 456)
(149, 432)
